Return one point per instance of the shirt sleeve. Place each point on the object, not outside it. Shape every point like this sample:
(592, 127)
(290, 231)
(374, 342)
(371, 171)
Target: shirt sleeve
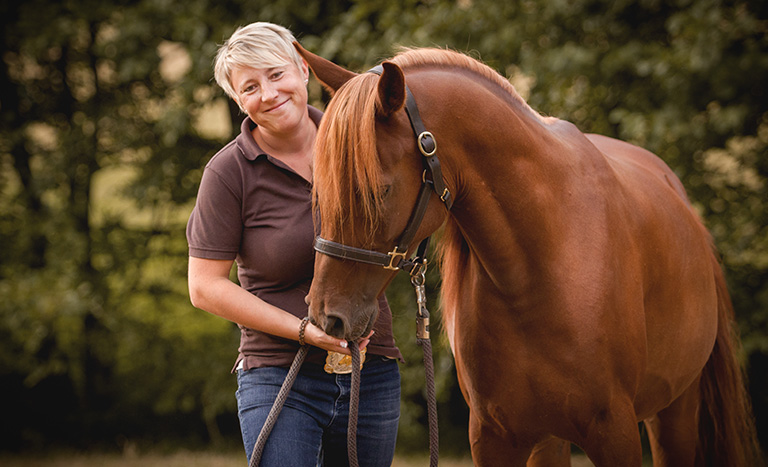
(215, 227)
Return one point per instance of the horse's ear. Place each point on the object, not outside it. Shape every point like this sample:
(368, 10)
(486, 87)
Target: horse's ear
(391, 89)
(332, 76)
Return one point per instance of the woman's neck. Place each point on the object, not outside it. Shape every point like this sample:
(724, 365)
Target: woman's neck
(294, 148)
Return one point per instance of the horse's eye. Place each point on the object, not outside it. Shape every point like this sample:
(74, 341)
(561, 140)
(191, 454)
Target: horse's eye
(387, 191)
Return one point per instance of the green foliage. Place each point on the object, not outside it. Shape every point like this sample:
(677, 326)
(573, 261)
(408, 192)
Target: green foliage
(109, 113)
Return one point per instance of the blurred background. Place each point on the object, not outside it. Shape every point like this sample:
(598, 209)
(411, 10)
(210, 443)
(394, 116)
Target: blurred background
(108, 114)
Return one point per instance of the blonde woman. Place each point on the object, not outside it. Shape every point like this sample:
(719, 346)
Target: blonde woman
(254, 207)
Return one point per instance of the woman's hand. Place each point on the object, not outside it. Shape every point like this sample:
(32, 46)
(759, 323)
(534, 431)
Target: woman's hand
(313, 335)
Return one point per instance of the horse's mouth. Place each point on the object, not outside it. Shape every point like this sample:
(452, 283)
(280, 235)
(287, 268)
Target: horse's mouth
(371, 322)
(340, 327)
(355, 333)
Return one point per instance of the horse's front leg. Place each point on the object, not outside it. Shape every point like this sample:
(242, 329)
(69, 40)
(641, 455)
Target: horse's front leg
(492, 449)
(613, 438)
(552, 452)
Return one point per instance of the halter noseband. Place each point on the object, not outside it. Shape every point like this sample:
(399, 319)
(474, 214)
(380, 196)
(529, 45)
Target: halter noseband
(432, 180)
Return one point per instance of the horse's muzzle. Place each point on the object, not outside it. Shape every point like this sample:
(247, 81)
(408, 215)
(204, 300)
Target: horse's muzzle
(346, 327)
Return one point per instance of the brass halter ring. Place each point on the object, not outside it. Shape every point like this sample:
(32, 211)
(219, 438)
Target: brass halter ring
(424, 152)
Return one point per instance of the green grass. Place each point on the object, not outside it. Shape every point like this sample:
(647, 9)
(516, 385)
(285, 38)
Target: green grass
(193, 459)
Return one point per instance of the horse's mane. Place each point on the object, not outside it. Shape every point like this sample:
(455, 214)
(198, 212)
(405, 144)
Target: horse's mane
(347, 171)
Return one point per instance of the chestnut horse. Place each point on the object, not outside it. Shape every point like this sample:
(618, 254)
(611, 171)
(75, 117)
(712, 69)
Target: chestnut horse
(580, 291)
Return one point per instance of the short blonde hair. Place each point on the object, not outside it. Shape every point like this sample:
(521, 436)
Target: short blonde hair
(257, 45)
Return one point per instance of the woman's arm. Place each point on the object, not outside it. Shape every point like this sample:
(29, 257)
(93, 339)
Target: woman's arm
(211, 290)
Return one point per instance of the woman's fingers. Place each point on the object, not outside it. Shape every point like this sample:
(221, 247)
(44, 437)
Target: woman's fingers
(364, 341)
(315, 336)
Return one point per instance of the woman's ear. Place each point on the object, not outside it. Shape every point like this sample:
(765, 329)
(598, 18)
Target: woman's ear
(305, 70)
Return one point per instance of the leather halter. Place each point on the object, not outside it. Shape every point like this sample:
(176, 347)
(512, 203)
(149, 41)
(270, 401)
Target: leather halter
(432, 180)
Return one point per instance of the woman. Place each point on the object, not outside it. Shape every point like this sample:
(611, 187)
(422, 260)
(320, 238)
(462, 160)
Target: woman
(254, 207)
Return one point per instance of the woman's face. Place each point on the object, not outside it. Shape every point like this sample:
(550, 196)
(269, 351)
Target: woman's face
(275, 98)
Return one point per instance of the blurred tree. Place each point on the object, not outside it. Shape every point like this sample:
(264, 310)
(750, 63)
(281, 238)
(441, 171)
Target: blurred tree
(94, 296)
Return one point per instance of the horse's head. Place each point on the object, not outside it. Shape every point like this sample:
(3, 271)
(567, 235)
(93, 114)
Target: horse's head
(367, 178)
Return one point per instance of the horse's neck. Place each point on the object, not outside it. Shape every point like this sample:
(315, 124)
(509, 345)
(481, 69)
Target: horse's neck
(517, 194)
(518, 178)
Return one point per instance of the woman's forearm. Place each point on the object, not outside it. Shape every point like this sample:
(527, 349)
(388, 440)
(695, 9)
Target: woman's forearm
(223, 298)
(211, 290)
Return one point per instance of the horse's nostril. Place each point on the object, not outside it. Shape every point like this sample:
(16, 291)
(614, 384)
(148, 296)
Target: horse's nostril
(334, 326)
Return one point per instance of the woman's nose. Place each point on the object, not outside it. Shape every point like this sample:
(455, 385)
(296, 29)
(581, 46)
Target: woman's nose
(268, 92)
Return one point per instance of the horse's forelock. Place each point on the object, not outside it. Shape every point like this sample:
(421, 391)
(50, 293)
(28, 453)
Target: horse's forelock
(347, 169)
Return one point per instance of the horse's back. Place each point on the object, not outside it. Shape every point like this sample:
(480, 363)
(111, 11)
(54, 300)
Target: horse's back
(635, 158)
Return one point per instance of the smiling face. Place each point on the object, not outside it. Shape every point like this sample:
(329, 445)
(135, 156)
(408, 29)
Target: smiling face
(274, 98)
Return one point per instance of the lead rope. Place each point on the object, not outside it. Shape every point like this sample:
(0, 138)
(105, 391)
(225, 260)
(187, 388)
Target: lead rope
(290, 378)
(422, 338)
(354, 400)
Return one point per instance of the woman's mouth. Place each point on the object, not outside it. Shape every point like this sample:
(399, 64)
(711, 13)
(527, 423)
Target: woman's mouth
(278, 106)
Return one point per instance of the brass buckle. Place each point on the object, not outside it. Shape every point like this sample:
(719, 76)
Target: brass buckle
(423, 135)
(445, 195)
(393, 256)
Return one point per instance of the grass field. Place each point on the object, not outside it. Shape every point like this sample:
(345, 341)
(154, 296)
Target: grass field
(195, 459)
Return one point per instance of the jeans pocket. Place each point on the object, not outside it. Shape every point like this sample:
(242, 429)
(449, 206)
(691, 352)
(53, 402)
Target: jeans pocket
(258, 386)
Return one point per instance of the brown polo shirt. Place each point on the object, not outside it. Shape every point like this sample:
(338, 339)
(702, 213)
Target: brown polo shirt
(255, 210)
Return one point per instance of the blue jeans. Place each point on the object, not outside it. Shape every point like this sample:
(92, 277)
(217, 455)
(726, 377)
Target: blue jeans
(312, 427)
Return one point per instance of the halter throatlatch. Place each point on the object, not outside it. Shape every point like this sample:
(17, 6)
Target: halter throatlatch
(432, 181)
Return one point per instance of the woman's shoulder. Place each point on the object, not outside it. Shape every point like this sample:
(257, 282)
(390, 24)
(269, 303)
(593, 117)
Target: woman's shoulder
(225, 157)
(231, 162)
(225, 169)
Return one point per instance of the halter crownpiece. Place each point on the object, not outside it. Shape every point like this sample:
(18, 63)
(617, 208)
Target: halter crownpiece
(432, 180)
(427, 145)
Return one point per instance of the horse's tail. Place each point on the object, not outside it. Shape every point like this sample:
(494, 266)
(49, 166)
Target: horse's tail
(727, 435)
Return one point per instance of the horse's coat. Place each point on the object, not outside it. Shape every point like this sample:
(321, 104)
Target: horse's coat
(580, 294)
